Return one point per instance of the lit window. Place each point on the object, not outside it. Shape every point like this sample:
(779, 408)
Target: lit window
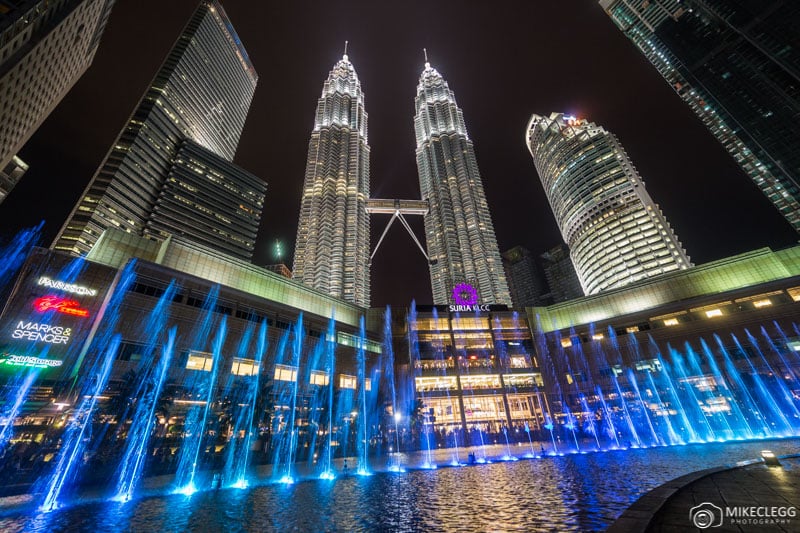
(244, 367)
(318, 377)
(794, 293)
(285, 373)
(598, 336)
(200, 361)
(713, 312)
(566, 343)
(347, 382)
(762, 303)
(632, 329)
(368, 383)
(518, 361)
(671, 322)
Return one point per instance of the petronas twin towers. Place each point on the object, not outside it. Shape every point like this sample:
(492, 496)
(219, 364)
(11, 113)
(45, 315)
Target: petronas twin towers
(332, 249)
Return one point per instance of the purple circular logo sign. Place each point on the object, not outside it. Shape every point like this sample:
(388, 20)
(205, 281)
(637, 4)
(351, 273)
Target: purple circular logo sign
(465, 294)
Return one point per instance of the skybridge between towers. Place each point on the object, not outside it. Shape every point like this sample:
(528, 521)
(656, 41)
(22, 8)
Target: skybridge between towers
(398, 209)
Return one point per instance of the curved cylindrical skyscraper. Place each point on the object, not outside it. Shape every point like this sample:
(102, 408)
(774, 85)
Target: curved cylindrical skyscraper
(332, 247)
(458, 227)
(615, 232)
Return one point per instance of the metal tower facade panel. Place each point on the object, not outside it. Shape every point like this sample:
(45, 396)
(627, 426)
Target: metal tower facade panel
(458, 227)
(332, 246)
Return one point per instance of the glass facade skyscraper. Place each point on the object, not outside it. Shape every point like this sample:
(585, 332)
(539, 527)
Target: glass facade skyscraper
(736, 63)
(222, 201)
(460, 237)
(201, 93)
(332, 247)
(45, 47)
(615, 232)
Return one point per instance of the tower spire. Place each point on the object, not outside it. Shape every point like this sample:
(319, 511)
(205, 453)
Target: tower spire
(345, 50)
(425, 51)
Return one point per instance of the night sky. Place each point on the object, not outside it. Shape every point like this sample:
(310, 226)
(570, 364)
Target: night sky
(504, 61)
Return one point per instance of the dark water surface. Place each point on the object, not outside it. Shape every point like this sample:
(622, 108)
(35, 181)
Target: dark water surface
(570, 493)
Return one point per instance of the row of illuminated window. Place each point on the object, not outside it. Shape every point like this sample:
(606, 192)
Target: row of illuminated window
(248, 367)
(720, 309)
(514, 361)
(464, 323)
(482, 381)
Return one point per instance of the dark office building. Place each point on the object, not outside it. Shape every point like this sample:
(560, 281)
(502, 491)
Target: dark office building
(222, 201)
(736, 63)
(524, 280)
(560, 274)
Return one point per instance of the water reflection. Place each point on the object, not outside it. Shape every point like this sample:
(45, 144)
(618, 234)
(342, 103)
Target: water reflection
(570, 493)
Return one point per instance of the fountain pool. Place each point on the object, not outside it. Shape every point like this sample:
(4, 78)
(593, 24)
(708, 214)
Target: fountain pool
(577, 492)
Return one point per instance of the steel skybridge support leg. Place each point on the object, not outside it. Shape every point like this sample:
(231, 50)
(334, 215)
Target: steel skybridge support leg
(404, 222)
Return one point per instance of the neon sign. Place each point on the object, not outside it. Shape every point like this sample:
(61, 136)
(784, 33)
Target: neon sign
(35, 332)
(66, 287)
(465, 294)
(30, 361)
(59, 304)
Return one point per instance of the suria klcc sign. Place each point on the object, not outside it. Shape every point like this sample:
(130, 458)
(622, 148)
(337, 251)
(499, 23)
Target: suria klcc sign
(466, 298)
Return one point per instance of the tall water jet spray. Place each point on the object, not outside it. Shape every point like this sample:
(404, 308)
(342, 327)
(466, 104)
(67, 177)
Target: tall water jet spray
(330, 366)
(15, 251)
(153, 372)
(69, 457)
(203, 386)
(362, 444)
(133, 461)
(416, 365)
(98, 355)
(388, 350)
(238, 456)
(14, 399)
(285, 452)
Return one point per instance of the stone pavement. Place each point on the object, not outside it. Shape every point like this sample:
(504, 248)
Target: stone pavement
(754, 497)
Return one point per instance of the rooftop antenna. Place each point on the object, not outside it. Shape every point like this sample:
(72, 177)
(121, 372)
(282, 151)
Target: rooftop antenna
(425, 51)
(345, 49)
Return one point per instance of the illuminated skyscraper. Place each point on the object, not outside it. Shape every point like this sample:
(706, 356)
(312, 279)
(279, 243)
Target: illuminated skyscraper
(462, 246)
(615, 232)
(202, 94)
(45, 48)
(736, 63)
(332, 247)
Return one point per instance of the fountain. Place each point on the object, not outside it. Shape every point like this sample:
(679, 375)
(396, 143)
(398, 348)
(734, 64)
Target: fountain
(596, 393)
(202, 388)
(154, 371)
(244, 404)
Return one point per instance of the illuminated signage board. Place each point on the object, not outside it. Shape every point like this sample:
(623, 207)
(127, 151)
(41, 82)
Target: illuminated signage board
(36, 332)
(491, 308)
(59, 304)
(80, 290)
(465, 294)
(29, 361)
(51, 313)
